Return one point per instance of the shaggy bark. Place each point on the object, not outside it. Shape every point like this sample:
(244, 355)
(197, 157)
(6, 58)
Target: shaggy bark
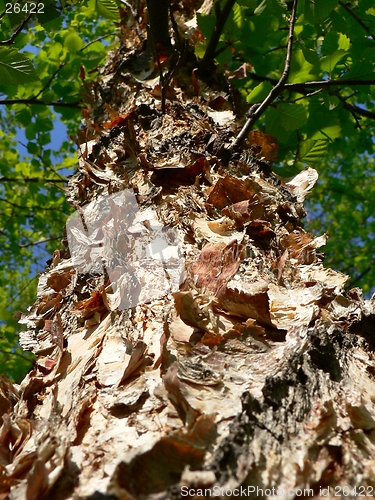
(257, 372)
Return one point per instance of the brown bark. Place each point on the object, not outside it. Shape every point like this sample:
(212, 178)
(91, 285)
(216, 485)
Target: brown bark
(256, 373)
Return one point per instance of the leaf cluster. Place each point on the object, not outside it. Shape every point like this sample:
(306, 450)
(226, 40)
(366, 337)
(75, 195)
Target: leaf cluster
(324, 116)
(42, 73)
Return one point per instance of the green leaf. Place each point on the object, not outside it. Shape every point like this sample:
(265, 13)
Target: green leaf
(311, 151)
(238, 16)
(259, 93)
(323, 125)
(331, 101)
(317, 11)
(260, 8)
(16, 68)
(32, 148)
(328, 63)
(48, 14)
(31, 131)
(361, 71)
(334, 41)
(55, 52)
(272, 121)
(49, 96)
(206, 23)
(108, 9)
(73, 42)
(23, 116)
(292, 116)
(300, 68)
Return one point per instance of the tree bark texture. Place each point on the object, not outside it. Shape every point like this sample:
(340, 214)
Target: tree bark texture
(257, 372)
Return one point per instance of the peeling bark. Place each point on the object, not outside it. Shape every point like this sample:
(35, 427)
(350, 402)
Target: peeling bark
(256, 372)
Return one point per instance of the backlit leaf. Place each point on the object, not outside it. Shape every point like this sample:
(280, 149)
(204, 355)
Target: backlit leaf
(301, 69)
(108, 9)
(259, 92)
(328, 63)
(312, 151)
(15, 68)
(292, 116)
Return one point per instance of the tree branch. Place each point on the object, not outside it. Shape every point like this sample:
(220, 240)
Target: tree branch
(257, 109)
(304, 88)
(10, 40)
(15, 353)
(356, 109)
(318, 84)
(33, 208)
(221, 19)
(135, 17)
(356, 18)
(49, 81)
(39, 242)
(358, 278)
(31, 179)
(294, 87)
(351, 194)
(76, 105)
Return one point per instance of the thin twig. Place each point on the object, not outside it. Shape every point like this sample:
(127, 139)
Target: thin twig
(168, 80)
(319, 84)
(35, 207)
(76, 104)
(355, 280)
(135, 17)
(339, 82)
(258, 109)
(356, 110)
(221, 18)
(15, 34)
(39, 242)
(97, 40)
(176, 32)
(20, 292)
(61, 65)
(31, 179)
(15, 353)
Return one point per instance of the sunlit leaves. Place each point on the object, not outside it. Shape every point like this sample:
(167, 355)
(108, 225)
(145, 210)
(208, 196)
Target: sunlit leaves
(259, 93)
(73, 42)
(320, 127)
(343, 204)
(312, 151)
(32, 205)
(329, 62)
(301, 70)
(108, 9)
(15, 68)
(334, 41)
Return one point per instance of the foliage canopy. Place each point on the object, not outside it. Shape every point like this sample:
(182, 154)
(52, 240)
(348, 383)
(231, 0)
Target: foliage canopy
(323, 117)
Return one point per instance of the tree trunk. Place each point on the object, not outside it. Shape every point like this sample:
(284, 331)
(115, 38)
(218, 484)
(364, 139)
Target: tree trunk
(189, 342)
